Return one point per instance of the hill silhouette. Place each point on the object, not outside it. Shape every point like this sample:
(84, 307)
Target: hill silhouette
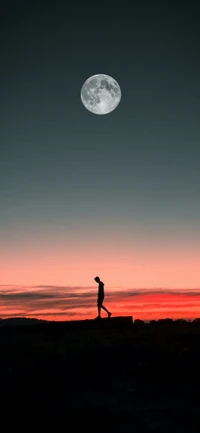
(21, 321)
(142, 377)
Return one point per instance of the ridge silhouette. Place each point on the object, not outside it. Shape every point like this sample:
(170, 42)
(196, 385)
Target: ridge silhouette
(152, 370)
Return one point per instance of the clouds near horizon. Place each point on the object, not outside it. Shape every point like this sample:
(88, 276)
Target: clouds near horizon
(65, 302)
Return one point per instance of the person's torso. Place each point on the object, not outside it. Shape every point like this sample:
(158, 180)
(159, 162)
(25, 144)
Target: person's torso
(101, 289)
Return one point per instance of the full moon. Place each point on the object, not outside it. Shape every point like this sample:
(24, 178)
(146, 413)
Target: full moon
(100, 94)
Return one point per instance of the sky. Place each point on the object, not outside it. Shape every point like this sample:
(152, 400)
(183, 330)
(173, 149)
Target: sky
(115, 195)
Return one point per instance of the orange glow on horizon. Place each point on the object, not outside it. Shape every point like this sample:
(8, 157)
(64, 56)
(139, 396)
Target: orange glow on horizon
(146, 269)
(79, 303)
(49, 283)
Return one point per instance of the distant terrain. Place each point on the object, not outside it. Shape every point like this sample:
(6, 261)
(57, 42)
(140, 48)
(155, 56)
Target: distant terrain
(140, 377)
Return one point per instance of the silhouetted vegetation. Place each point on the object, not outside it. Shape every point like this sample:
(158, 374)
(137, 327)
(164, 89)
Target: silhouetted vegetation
(139, 378)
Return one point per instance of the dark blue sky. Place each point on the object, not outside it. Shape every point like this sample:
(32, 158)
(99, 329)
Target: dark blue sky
(65, 170)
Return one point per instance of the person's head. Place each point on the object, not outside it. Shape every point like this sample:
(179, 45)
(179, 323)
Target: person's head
(97, 279)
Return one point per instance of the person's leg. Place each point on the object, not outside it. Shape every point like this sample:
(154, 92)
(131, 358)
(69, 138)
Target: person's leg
(99, 310)
(108, 312)
(99, 307)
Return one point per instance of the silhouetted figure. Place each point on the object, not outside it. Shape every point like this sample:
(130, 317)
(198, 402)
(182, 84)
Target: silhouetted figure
(101, 298)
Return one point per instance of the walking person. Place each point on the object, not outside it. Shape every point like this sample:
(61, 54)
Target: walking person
(101, 298)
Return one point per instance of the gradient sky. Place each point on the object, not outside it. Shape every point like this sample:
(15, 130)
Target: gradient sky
(83, 195)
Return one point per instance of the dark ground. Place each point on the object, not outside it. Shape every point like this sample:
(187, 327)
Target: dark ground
(143, 378)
